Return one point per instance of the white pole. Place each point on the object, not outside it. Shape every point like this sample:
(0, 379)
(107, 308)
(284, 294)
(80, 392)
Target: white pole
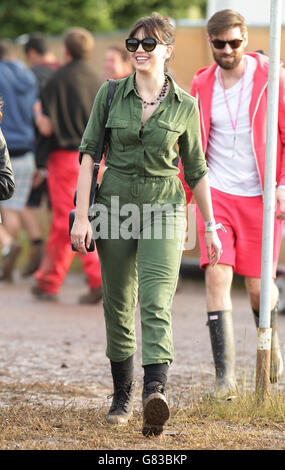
(264, 332)
(211, 8)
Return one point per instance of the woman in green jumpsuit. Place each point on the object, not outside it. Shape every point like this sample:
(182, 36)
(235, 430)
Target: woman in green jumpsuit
(148, 116)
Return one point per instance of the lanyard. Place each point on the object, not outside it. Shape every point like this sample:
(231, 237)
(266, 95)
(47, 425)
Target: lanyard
(234, 124)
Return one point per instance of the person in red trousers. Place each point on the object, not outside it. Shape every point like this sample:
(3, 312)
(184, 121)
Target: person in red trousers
(62, 115)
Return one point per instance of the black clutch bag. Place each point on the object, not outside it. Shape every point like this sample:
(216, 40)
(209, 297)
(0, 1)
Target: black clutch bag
(100, 150)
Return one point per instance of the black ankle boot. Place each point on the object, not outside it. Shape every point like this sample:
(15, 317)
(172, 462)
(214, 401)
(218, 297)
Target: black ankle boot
(122, 404)
(222, 340)
(276, 361)
(155, 408)
(121, 408)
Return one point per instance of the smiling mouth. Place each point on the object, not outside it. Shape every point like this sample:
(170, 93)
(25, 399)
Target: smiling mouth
(141, 59)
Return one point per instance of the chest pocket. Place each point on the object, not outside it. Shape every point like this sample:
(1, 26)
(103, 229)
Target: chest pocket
(170, 133)
(119, 132)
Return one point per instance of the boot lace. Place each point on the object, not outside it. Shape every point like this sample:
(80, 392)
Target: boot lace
(154, 388)
(121, 398)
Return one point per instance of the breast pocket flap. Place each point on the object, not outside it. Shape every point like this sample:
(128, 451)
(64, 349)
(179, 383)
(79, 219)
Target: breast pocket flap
(117, 123)
(170, 126)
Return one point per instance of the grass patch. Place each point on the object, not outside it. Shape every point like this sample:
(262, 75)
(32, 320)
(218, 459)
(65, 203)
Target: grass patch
(201, 424)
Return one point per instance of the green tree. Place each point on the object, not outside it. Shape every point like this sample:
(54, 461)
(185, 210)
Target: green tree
(54, 16)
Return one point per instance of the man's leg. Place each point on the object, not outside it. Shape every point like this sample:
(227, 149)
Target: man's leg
(32, 226)
(62, 176)
(11, 249)
(218, 293)
(63, 170)
(220, 322)
(253, 288)
(23, 167)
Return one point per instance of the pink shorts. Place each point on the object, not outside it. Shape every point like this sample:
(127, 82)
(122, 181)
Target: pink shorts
(242, 242)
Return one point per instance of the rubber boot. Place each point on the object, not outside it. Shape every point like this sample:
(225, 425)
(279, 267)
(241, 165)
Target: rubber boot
(121, 408)
(276, 361)
(223, 347)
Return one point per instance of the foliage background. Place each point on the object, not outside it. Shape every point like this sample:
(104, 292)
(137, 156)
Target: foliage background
(54, 16)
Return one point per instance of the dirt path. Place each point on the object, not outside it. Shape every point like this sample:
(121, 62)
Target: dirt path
(62, 345)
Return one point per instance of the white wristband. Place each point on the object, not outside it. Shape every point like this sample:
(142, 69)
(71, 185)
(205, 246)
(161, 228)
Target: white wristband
(213, 228)
(210, 223)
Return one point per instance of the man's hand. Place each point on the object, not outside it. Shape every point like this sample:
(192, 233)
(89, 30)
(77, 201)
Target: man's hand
(214, 247)
(38, 177)
(42, 121)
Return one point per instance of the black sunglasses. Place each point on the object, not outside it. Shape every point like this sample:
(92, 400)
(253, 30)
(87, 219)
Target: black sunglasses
(234, 43)
(148, 44)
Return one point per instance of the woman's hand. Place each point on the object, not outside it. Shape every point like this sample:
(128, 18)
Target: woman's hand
(214, 247)
(81, 234)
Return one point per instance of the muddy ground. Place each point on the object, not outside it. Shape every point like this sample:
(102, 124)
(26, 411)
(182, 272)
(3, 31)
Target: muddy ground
(62, 345)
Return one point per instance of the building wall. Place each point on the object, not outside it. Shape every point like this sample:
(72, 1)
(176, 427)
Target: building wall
(255, 11)
(192, 51)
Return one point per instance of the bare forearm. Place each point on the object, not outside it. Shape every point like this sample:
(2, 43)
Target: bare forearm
(84, 186)
(203, 198)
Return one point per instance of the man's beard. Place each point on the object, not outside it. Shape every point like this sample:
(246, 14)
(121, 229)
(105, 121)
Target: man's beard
(229, 65)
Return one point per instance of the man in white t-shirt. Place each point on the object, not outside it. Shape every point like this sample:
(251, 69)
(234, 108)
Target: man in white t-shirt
(232, 97)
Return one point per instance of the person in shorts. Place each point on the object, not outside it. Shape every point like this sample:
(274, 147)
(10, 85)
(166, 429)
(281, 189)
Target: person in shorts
(232, 98)
(19, 91)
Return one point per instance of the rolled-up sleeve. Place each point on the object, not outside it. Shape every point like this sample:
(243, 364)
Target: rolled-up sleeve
(190, 149)
(90, 138)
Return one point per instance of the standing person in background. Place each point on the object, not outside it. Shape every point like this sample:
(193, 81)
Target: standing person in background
(43, 63)
(149, 114)
(232, 97)
(117, 63)
(19, 90)
(66, 104)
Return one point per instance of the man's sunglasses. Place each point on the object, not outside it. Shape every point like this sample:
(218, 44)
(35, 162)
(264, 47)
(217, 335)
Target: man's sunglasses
(234, 43)
(148, 44)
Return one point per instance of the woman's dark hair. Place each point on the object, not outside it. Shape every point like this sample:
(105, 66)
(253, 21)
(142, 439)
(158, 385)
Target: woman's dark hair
(155, 26)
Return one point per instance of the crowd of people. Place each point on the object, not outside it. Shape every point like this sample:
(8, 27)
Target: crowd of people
(46, 168)
(165, 146)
